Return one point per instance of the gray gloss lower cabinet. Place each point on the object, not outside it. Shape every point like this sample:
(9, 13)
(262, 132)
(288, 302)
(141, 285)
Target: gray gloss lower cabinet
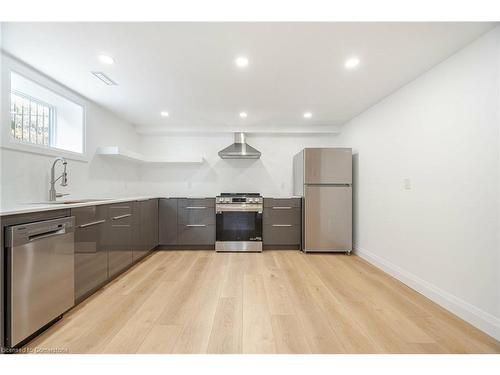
(167, 221)
(91, 253)
(145, 219)
(187, 221)
(119, 237)
(196, 234)
(152, 224)
(282, 222)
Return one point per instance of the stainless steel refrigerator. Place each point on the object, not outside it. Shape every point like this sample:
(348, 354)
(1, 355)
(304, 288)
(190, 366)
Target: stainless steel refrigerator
(323, 177)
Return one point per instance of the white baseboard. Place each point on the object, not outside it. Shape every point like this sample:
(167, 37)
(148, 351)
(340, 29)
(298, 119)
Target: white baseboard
(470, 313)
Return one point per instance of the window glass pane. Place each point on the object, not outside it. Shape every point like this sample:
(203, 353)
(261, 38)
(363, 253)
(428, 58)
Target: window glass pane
(27, 119)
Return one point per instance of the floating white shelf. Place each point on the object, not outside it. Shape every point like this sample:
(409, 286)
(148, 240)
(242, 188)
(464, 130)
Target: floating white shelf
(121, 153)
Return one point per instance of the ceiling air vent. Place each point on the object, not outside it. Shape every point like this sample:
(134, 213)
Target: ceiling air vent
(103, 77)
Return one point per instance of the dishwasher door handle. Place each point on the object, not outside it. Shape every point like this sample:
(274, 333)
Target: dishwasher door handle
(51, 233)
(28, 233)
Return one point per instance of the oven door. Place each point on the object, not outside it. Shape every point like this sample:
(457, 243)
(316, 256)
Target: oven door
(238, 229)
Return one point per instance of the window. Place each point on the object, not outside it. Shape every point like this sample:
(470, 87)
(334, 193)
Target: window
(44, 118)
(31, 120)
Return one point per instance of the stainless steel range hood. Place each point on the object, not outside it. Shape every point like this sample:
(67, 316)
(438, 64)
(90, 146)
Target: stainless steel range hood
(239, 149)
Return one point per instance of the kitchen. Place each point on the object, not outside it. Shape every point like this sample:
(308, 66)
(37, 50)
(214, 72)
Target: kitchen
(206, 198)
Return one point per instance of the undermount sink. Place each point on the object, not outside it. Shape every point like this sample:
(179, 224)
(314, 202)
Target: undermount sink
(73, 201)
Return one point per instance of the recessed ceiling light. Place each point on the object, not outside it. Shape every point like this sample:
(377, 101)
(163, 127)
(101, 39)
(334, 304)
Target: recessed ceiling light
(164, 114)
(105, 59)
(351, 62)
(241, 62)
(243, 114)
(307, 114)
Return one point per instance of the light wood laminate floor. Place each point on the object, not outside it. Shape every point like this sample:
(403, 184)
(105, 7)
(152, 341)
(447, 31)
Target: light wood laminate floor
(270, 302)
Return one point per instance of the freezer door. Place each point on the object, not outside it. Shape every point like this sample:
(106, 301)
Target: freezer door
(328, 218)
(328, 166)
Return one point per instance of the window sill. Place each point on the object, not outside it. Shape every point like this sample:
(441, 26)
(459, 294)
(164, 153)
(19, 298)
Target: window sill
(39, 150)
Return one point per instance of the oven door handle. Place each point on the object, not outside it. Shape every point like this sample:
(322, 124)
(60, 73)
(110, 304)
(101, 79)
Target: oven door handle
(222, 211)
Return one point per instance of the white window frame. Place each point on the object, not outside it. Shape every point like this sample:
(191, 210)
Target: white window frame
(11, 65)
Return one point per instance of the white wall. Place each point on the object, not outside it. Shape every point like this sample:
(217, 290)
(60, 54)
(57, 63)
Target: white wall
(271, 175)
(25, 176)
(442, 132)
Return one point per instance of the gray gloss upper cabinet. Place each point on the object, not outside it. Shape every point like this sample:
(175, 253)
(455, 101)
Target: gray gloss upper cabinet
(119, 236)
(91, 253)
(167, 217)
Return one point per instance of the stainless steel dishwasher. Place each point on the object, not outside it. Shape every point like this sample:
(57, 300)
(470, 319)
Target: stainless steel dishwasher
(40, 276)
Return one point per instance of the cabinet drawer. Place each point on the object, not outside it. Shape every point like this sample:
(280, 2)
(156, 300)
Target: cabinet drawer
(196, 234)
(282, 216)
(88, 215)
(119, 209)
(282, 203)
(281, 234)
(196, 202)
(196, 215)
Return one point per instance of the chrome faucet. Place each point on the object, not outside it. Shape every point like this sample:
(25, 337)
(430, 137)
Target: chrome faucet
(64, 179)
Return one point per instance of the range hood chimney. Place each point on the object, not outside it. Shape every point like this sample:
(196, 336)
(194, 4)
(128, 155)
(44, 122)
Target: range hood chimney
(239, 149)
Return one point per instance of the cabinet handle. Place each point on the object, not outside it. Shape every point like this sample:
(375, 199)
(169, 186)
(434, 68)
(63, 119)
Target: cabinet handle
(282, 208)
(121, 216)
(92, 223)
(282, 225)
(195, 225)
(195, 208)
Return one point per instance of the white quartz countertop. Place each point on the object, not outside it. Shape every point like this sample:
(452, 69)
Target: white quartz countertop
(23, 208)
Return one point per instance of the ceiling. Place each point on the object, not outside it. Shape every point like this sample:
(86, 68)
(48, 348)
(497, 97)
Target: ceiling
(188, 69)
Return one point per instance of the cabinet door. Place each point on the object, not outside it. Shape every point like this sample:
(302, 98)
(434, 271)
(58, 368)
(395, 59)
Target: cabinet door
(196, 234)
(138, 229)
(168, 221)
(91, 255)
(153, 223)
(120, 236)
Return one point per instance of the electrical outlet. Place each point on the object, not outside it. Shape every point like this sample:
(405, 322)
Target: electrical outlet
(407, 183)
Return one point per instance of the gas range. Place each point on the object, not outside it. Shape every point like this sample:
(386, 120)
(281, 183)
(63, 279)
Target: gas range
(238, 222)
